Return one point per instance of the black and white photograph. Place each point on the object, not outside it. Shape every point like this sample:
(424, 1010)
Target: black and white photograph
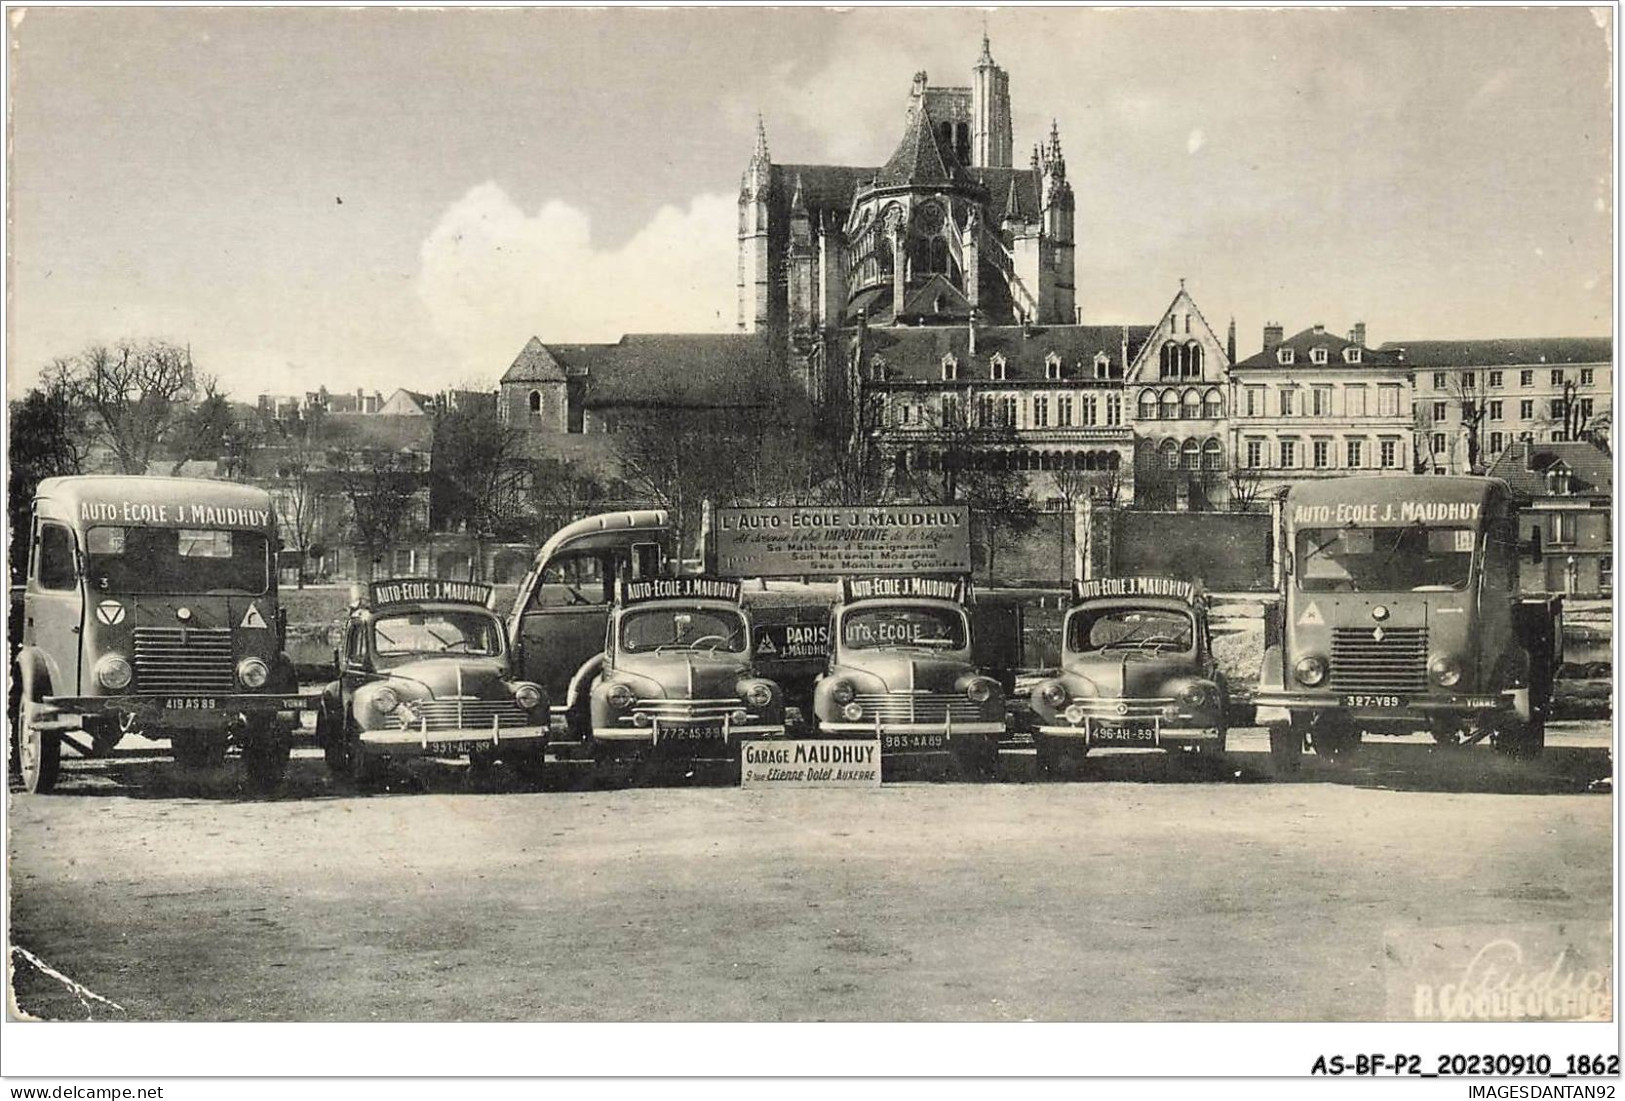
(1080, 522)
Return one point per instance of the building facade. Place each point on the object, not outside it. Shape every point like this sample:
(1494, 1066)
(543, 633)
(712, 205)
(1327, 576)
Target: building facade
(1316, 405)
(1178, 388)
(1565, 492)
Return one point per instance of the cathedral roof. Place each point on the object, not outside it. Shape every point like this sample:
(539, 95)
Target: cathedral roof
(936, 297)
(915, 354)
(534, 364)
(920, 158)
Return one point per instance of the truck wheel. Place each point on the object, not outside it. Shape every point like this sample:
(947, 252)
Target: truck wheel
(39, 752)
(265, 755)
(198, 751)
(1519, 739)
(1336, 744)
(1286, 749)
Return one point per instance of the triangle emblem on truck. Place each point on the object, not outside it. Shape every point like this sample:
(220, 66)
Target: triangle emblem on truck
(253, 617)
(1310, 617)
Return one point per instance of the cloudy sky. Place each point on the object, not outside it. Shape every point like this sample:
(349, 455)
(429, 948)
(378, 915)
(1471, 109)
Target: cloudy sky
(379, 198)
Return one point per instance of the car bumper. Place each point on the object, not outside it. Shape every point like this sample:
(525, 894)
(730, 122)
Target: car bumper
(912, 728)
(1275, 708)
(218, 706)
(1152, 734)
(652, 736)
(419, 742)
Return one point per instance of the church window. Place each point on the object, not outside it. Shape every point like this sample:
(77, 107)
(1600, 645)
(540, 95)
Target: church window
(997, 365)
(1212, 405)
(1148, 405)
(1170, 405)
(536, 402)
(950, 368)
(939, 260)
(1191, 358)
(1191, 405)
(1052, 366)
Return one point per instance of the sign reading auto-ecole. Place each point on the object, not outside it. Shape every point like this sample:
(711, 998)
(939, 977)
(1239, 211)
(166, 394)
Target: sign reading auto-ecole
(792, 542)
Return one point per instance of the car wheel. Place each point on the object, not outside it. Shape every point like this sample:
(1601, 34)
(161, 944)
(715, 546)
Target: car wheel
(39, 752)
(1336, 744)
(531, 765)
(265, 755)
(198, 751)
(1286, 749)
(335, 746)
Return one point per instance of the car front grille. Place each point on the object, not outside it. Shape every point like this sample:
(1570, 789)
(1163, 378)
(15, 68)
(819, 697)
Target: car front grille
(461, 713)
(696, 711)
(184, 660)
(1122, 707)
(918, 707)
(1382, 659)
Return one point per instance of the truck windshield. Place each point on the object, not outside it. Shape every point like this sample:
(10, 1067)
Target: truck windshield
(684, 629)
(448, 632)
(176, 560)
(891, 625)
(1091, 630)
(1384, 560)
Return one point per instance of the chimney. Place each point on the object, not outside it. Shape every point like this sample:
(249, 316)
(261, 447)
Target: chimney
(1230, 342)
(1273, 334)
(1357, 334)
(1320, 330)
(1528, 454)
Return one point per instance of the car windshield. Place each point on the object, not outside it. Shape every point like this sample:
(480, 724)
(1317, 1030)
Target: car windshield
(439, 632)
(1150, 630)
(197, 561)
(1384, 560)
(650, 629)
(904, 625)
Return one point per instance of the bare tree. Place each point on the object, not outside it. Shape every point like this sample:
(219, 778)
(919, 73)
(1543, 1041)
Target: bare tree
(1246, 487)
(478, 473)
(849, 449)
(137, 392)
(561, 492)
(1568, 414)
(381, 487)
(49, 438)
(680, 457)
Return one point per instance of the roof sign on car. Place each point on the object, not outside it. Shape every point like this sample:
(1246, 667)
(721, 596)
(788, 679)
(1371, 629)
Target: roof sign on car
(1135, 586)
(410, 590)
(679, 588)
(871, 588)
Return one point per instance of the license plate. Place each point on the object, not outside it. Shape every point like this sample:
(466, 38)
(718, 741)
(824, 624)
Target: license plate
(190, 703)
(697, 732)
(913, 741)
(1135, 735)
(447, 749)
(1354, 700)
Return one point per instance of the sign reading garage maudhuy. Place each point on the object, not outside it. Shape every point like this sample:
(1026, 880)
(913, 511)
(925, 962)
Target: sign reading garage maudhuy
(810, 763)
(822, 542)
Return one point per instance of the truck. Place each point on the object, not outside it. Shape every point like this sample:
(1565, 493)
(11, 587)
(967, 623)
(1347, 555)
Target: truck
(1399, 612)
(151, 605)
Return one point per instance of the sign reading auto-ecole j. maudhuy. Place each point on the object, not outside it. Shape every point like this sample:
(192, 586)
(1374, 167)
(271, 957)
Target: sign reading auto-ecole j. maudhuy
(835, 763)
(794, 542)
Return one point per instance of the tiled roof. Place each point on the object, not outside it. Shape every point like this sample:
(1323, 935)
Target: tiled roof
(920, 158)
(1515, 351)
(1302, 343)
(824, 188)
(923, 299)
(687, 370)
(1524, 466)
(534, 364)
(999, 183)
(915, 354)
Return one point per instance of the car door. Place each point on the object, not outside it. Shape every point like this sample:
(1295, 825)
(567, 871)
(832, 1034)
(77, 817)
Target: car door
(563, 626)
(54, 604)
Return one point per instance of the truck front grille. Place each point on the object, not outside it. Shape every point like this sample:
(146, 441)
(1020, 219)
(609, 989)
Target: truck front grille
(184, 660)
(917, 707)
(1395, 662)
(461, 714)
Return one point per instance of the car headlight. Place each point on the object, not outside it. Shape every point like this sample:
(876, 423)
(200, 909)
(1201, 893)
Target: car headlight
(112, 671)
(843, 692)
(979, 690)
(1194, 695)
(253, 672)
(1310, 671)
(1446, 670)
(528, 696)
(759, 695)
(620, 697)
(1053, 693)
(385, 701)
(852, 712)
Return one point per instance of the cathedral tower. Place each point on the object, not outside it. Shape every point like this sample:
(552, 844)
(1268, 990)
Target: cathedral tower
(1057, 279)
(992, 139)
(754, 189)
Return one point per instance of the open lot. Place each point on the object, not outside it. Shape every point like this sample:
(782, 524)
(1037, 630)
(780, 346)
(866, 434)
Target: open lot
(1145, 890)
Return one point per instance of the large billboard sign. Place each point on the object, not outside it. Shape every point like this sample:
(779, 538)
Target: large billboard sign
(825, 542)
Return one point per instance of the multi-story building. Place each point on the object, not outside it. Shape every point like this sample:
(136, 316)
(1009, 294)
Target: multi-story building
(1178, 386)
(1317, 405)
(1475, 398)
(1566, 492)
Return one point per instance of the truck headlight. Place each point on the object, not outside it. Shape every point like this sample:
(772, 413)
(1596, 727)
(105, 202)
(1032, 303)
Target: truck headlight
(620, 697)
(1446, 670)
(385, 701)
(979, 690)
(1053, 693)
(253, 673)
(112, 671)
(843, 692)
(528, 696)
(759, 695)
(1310, 671)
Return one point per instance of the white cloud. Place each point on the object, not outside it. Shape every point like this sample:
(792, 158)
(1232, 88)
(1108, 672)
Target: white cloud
(492, 276)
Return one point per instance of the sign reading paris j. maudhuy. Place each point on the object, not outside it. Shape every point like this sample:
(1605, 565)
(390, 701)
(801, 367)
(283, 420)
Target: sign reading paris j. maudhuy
(892, 539)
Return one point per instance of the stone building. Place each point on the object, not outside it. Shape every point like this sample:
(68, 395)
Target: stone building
(1565, 491)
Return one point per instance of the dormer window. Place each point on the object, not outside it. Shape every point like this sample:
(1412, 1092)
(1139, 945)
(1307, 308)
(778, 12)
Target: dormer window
(950, 368)
(1103, 365)
(1285, 357)
(877, 367)
(1052, 366)
(1351, 354)
(1557, 480)
(996, 367)
(1317, 355)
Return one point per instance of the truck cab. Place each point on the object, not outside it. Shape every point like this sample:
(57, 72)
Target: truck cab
(151, 605)
(900, 670)
(1400, 613)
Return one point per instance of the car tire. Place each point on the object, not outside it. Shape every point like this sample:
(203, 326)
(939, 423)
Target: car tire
(265, 756)
(335, 747)
(1286, 749)
(531, 766)
(39, 752)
